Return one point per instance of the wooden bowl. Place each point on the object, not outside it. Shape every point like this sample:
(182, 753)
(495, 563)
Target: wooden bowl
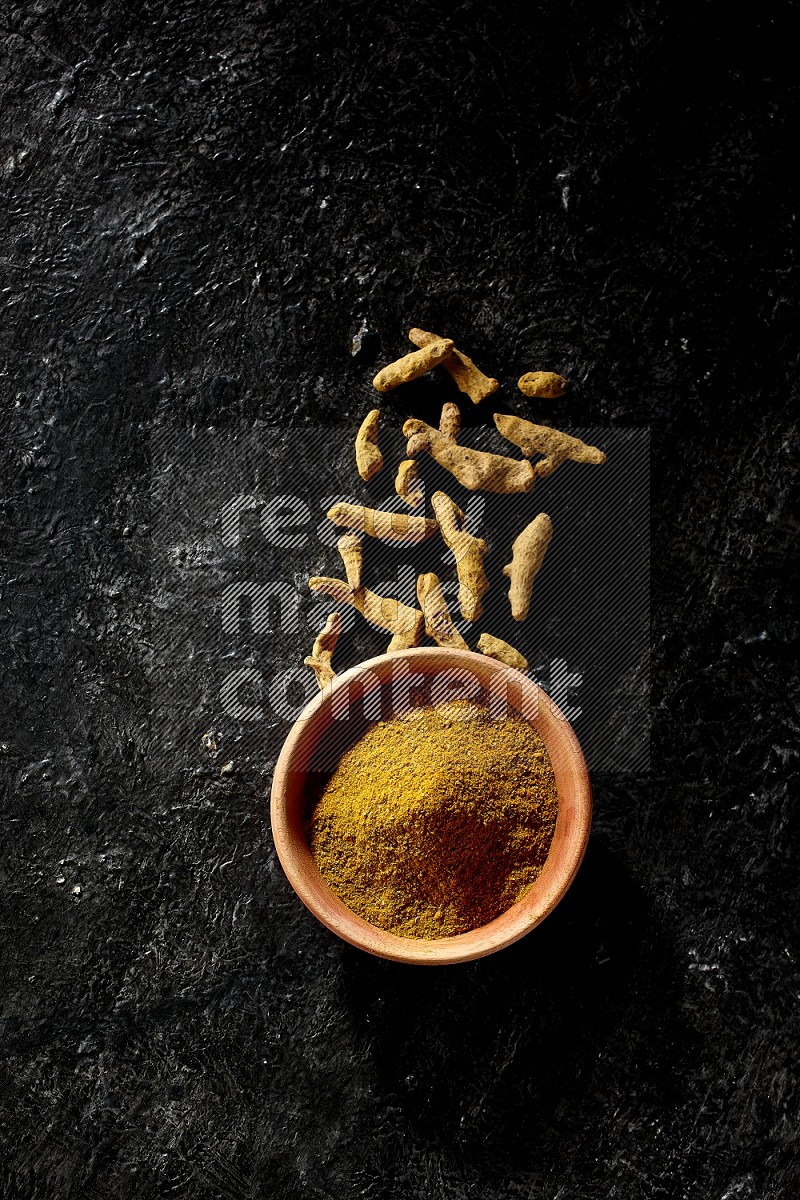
(334, 719)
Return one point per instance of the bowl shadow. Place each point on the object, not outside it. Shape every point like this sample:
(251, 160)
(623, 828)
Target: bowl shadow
(513, 1059)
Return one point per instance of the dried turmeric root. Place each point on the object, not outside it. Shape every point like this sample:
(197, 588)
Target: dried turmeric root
(324, 645)
(556, 446)
(468, 378)
(527, 553)
(403, 622)
(545, 384)
(472, 468)
(407, 483)
(450, 421)
(352, 551)
(412, 365)
(494, 647)
(388, 526)
(369, 459)
(438, 622)
(469, 553)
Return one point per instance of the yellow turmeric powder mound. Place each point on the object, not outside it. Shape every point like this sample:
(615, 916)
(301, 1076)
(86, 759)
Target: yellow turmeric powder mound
(435, 822)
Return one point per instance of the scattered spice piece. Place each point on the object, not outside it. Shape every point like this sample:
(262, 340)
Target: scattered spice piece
(436, 821)
(388, 526)
(438, 621)
(369, 459)
(351, 549)
(320, 657)
(468, 378)
(407, 484)
(527, 554)
(542, 439)
(404, 623)
(412, 365)
(544, 384)
(494, 647)
(450, 421)
(469, 553)
(473, 469)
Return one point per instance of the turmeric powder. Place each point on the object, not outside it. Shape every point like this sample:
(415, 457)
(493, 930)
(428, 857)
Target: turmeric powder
(436, 821)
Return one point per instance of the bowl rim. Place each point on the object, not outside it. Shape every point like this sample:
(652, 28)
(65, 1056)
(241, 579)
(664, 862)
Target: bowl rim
(315, 893)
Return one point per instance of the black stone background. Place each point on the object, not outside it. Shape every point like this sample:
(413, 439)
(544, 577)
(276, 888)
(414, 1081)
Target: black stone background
(201, 203)
(209, 625)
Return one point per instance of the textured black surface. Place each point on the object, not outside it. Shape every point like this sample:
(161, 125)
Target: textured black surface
(238, 525)
(202, 205)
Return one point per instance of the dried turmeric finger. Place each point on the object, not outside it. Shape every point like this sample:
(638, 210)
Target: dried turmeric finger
(404, 640)
(494, 647)
(369, 459)
(468, 551)
(468, 378)
(388, 526)
(527, 553)
(352, 551)
(403, 622)
(407, 483)
(324, 645)
(438, 622)
(472, 468)
(552, 443)
(412, 365)
(545, 384)
(450, 421)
